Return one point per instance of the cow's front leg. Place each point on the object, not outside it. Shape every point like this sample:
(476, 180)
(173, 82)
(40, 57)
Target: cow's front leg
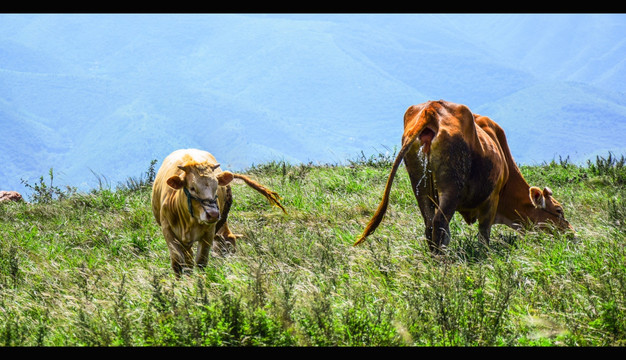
(204, 248)
(486, 219)
(484, 230)
(180, 255)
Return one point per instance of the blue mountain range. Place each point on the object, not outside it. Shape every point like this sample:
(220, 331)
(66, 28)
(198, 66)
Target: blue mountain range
(89, 94)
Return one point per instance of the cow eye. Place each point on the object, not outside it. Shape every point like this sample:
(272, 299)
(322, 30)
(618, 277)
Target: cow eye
(559, 211)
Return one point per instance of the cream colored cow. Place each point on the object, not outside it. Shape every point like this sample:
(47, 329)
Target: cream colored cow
(191, 198)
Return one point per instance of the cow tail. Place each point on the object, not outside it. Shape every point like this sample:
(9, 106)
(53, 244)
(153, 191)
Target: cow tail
(382, 207)
(410, 134)
(272, 196)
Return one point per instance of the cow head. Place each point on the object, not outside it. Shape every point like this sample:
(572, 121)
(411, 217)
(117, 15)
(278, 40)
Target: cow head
(200, 182)
(547, 209)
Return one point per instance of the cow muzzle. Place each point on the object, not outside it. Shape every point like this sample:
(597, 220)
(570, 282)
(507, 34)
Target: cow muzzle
(566, 226)
(210, 210)
(210, 214)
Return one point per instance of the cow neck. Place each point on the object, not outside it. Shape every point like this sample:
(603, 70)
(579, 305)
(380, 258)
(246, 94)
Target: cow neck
(189, 197)
(180, 209)
(514, 200)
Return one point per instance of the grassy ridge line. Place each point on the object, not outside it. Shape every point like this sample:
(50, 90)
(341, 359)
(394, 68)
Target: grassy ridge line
(92, 269)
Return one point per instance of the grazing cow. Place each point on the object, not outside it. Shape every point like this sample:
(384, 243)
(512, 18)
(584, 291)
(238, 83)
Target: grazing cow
(459, 161)
(191, 198)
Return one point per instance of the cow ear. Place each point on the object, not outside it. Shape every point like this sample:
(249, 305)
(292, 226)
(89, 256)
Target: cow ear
(537, 198)
(175, 182)
(224, 178)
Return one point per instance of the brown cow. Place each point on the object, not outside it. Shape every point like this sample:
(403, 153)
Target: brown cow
(459, 161)
(191, 198)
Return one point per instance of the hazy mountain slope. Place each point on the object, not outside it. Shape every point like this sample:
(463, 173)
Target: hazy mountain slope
(582, 121)
(570, 47)
(109, 93)
(26, 144)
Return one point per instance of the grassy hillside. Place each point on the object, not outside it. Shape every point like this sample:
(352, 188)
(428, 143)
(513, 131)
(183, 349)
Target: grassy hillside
(92, 269)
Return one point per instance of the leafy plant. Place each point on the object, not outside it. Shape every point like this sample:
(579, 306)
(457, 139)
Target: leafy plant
(42, 193)
(611, 167)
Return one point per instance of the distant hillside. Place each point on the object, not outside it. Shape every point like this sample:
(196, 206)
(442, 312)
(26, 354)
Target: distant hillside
(109, 93)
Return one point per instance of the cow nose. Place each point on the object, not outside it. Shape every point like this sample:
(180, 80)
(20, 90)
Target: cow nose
(213, 213)
(566, 226)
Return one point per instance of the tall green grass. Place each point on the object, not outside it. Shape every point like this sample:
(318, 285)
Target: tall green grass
(92, 269)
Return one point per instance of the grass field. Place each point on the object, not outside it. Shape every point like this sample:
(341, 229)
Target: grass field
(92, 269)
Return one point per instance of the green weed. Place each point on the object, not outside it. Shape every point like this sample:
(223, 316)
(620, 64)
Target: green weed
(92, 269)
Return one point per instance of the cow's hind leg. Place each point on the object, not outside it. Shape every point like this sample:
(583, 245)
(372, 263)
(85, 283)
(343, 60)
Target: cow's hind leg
(423, 188)
(451, 165)
(428, 207)
(441, 223)
(428, 214)
(225, 241)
